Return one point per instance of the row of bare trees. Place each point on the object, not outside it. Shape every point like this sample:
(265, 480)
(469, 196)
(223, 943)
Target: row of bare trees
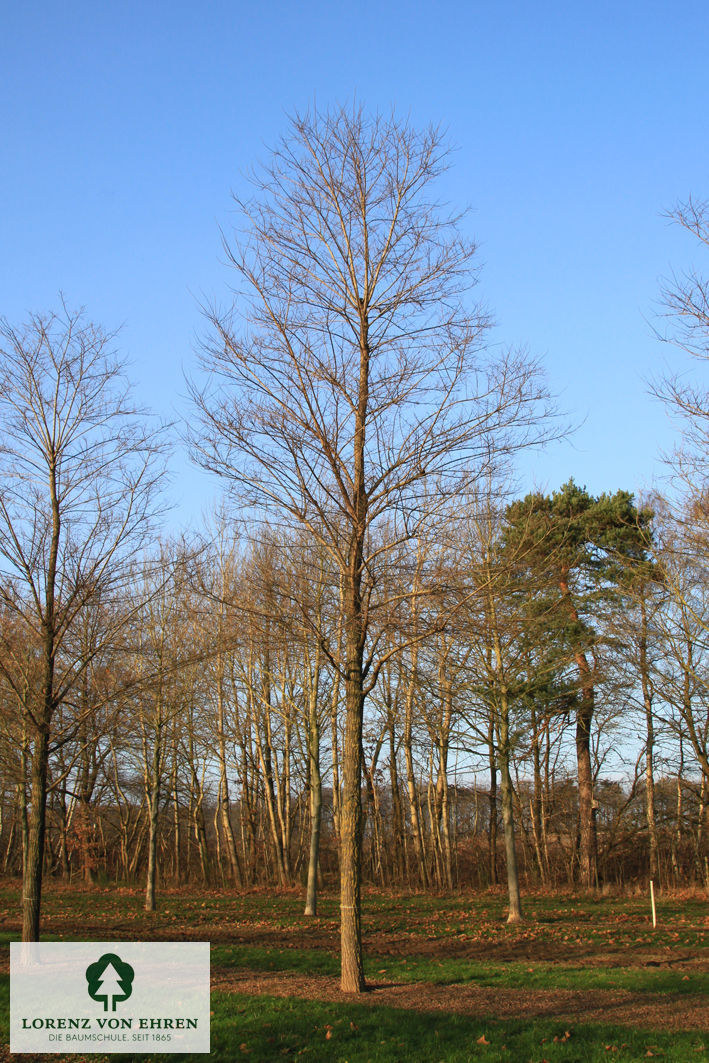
(208, 738)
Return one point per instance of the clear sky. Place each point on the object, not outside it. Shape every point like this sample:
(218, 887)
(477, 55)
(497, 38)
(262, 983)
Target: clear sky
(126, 125)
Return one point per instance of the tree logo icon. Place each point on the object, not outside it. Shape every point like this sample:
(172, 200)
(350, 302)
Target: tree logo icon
(110, 980)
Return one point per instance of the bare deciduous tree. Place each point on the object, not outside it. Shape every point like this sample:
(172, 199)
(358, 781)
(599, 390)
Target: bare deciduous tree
(78, 481)
(349, 389)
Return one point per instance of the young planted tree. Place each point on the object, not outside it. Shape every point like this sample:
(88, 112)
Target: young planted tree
(348, 390)
(78, 480)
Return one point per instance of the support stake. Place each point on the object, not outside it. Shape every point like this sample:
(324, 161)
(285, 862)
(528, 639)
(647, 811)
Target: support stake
(652, 901)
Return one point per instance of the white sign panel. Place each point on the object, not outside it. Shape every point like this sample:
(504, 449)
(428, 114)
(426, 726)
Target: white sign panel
(109, 996)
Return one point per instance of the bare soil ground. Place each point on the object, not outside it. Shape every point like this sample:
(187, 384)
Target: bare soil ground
(323, 935)
(568, 1006)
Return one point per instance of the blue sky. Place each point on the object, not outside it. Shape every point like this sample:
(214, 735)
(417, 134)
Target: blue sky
(125, 126)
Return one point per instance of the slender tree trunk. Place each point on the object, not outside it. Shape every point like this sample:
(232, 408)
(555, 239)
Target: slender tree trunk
(247, 813)
(176, 826)
(32, 885)
(63, 837)
(153, 806)
(371, 812)
(397, 833)
(334, 725)
(352, 972)
(587, 833)
(283, 797)
(547, 797)
(411, 787)
(588, 871)
(442, 781)
(10, 846)
(315, 794)
(492, 801)
(200, 828)
(646, 687)
(503, 707)
(24, 821)
(335, 739)
(352, 980)
(699, 832)
(515, 903)
(235, 868)
(536, 804)
(677, 833)
(265, 759)
(138, 834)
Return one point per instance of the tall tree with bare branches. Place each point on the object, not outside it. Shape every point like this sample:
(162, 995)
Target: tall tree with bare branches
(78, 482)
(348, 390)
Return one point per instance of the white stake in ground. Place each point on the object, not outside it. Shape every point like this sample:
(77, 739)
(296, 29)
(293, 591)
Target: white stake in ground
(652, 901)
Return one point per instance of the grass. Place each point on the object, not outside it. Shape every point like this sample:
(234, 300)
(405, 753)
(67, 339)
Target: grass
(569, 922)
(449, 971)
(567, 942)
(271, 1028)
(268, 1029)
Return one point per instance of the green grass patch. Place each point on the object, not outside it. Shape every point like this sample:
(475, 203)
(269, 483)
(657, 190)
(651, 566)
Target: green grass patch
(257, 958)
(564, 920)
(459, 971)
(267, 1029)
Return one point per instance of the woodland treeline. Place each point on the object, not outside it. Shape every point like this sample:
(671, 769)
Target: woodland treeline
(204, 745)
(379, 660)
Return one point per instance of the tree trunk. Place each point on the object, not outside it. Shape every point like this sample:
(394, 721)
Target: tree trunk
(515, 903)
(503, 712)
(537, 803)
(315, 788)
(265, 752)
(492, 803)
(355, 633)
(443, 808)
(153, 804)
(352, 963)
(234, 865)
(646, 686)
(32, 884)
(588, 871)
(587, 833)
(200, 828)
(24, 821)
(411, 788)
(176, 827)
(336, 783)
(397, 833)
(352, 975)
